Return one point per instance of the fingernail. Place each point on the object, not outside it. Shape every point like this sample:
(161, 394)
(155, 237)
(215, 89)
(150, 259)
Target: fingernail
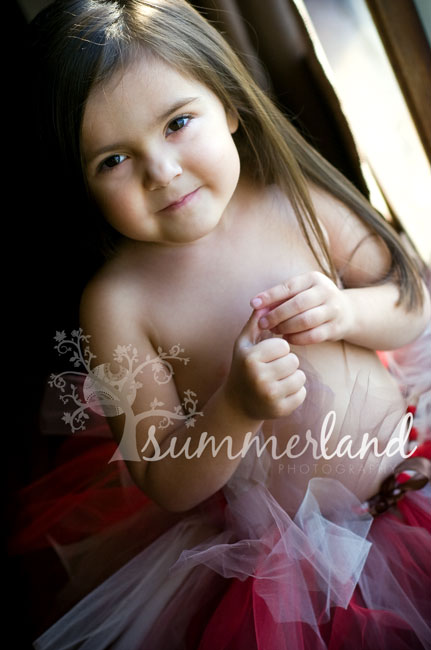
(256, 302)
(263, 323)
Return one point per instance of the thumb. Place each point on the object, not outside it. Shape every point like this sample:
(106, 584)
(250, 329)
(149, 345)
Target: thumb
(251, 332)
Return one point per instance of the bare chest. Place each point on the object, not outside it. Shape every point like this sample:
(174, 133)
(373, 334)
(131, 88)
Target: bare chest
(204, 309)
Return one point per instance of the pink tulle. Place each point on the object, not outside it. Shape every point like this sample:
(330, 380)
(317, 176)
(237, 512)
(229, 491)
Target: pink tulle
(242, 571)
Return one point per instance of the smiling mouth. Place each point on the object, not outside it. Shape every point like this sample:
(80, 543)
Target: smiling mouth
(181, 202)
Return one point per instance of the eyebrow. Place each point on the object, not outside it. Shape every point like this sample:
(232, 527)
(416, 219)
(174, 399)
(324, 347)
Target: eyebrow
(172, 109)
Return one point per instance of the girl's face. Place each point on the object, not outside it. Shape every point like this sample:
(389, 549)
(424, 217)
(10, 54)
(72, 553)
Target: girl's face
(159, 156)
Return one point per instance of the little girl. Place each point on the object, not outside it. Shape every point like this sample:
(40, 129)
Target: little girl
(232, 239)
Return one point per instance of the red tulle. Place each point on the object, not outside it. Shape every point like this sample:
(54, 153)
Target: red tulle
(242, 620)
(424, 450)
(84, 495)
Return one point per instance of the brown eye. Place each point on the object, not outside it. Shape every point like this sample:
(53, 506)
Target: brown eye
(179, 123)
(113, 161)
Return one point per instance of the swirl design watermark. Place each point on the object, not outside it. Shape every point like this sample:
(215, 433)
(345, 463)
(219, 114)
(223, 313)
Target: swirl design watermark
(111, 392)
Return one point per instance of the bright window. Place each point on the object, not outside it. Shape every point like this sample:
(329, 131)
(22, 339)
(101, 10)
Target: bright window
(389, 147)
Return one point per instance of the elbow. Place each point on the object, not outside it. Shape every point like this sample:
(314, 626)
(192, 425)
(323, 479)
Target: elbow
(175, 504)
(172, 498)
(178, 499)
(172, 503)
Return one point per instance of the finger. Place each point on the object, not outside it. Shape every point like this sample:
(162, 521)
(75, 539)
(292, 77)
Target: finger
(312, 336)
(310, 319)
(298, 304)
(280, 392)
(283, 291)
(269, 350)
(292, 384)
(251, 332)
(292, 401)
(282, 367)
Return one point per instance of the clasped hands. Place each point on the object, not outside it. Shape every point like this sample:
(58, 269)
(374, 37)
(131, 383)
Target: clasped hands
(308, 308)
(265, 380)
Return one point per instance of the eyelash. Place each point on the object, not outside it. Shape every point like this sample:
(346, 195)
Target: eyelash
(181, 117)
(105, 168)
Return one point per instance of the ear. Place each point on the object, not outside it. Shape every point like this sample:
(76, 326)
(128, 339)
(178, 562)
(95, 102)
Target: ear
(232, 120)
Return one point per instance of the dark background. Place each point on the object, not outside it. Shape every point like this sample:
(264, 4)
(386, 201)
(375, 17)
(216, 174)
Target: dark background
(44, 274)
(47, 267)
(48, 263)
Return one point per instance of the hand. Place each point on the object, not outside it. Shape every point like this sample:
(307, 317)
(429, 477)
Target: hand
(306, 309)
(264, 380)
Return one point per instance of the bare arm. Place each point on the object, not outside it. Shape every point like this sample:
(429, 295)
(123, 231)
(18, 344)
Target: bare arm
(310, 308)
(362, 258)
(378, 323)
(181, 483)
(264, 382)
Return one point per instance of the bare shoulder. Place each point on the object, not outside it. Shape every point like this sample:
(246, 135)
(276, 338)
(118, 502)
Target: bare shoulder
(360, 255)
(101, 300)
(111, 312)
(336, 216)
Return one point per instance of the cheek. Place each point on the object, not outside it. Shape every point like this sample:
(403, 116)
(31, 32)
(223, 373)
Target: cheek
(112, 197)
(107, 204)
(117, 207)
(220, 161)
(230, 165)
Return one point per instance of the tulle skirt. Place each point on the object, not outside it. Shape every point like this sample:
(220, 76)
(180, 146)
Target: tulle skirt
(238, 572)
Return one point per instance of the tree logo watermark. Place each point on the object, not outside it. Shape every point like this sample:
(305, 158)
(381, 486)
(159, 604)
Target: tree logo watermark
(111, 392)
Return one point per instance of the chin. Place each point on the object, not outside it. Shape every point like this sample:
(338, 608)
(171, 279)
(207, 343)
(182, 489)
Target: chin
(194, 232)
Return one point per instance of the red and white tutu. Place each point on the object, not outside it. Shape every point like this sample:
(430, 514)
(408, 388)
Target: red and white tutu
(241, 571)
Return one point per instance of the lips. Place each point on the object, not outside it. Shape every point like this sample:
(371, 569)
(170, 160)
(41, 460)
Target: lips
(183, 200)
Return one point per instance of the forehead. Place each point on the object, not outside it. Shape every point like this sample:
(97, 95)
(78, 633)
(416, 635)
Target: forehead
(143, 88)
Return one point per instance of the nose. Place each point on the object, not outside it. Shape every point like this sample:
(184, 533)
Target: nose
(160, 171)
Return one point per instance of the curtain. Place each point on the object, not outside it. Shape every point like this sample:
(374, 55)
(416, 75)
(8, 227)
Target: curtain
(273, 42)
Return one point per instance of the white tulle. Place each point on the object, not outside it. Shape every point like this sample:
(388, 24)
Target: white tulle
(282, 553)
(308, 543)
(302, 566)
(123, 609)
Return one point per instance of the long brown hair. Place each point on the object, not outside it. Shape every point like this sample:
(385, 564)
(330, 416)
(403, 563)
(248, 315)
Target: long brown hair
(81, 43)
